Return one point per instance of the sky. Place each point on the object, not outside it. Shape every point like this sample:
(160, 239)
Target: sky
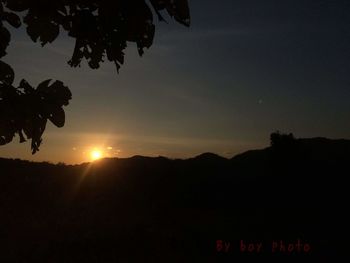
(243, 70)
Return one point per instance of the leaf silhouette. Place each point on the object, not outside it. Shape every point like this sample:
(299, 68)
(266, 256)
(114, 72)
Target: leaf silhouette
(12, 19)
(57, 117)
(101, 29)
(181, 12)
(7, 75)
(44, 85)
(176, 8)
(24, 85)
(5, 38)
(25, 110)
(17, 5)
(41, 27)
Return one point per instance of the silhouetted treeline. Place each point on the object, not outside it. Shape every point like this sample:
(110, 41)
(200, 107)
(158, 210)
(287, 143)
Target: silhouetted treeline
(144, 209)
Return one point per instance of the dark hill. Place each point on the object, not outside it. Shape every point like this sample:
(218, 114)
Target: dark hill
(210, 157)
(144, 209)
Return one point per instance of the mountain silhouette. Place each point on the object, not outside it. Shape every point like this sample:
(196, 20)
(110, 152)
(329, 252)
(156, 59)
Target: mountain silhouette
(209, 157)
(156, 209)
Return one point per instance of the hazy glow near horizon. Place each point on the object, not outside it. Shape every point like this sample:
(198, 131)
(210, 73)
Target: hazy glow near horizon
(96, 154)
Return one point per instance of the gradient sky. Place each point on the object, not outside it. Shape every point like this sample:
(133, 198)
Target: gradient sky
(244, 69)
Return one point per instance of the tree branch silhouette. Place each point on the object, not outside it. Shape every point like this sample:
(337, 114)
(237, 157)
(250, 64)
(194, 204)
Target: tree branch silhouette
(101, 29)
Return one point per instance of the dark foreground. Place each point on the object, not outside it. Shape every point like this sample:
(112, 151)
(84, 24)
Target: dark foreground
(287, 203)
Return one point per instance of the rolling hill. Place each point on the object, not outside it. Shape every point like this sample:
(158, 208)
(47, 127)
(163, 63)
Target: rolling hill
(145, 209)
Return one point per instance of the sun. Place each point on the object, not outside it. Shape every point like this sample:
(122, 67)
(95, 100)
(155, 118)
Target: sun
(95, 155)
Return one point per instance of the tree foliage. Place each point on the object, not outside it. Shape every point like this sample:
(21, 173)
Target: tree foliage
(101, 28)
(281, 140)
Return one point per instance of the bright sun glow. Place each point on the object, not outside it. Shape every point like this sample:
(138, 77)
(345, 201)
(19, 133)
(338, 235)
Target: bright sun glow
(95, 155)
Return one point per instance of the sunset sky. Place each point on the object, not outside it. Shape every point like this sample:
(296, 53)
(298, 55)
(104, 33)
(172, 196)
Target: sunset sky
(244, 69)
